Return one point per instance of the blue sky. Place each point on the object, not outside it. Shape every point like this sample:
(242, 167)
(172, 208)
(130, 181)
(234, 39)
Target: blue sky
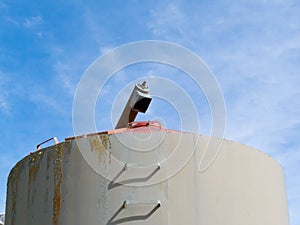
(253, 48)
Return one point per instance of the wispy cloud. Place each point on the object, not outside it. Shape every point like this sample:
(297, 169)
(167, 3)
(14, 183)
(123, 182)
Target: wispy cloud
(33, 21)
(12, 21)
(169, 21)
(256, 71)
(4, 95)
(48, 103)
(256, 60)
(64, 73)
(27, 23)
(4, 107)
(3, 5)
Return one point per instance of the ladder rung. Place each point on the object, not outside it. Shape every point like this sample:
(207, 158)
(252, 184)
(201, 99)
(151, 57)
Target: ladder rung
(132, 202)
(133, 165)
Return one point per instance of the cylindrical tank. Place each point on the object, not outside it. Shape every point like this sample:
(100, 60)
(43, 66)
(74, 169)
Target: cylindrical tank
(145, 178)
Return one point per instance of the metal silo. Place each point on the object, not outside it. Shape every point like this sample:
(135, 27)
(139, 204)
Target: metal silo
(134, 175)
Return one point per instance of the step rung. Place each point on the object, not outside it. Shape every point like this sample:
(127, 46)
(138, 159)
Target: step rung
(133, 202)
(133, 165)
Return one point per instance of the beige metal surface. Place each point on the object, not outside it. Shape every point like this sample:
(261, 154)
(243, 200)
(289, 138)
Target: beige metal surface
(57, 186)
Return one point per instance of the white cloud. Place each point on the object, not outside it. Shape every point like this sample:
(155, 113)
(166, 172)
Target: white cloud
(256, 72)
(4, 107)
(64, 73)
(96, 33)
(12, 21)
(105, 49)
(46, 102)
(170, 20)
(27, 23)
(33, 21)
(40, 35)
(4, 95)
(254, 50)
(3, 5)
(68, 69)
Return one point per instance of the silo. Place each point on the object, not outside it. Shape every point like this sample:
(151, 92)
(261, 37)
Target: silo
(143, 173)
(57, 185)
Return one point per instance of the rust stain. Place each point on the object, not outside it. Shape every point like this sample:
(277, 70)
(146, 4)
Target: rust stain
(33, 170)
(100, 143)
(108, 147)
(13, 180)
(105, 141)
(68, 146)
(57, 184)
(34, 165)
(109, 160)
(48, 161)
(75, 167)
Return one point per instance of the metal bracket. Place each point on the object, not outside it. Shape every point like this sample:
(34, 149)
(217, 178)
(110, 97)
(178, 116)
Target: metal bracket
(38, 147)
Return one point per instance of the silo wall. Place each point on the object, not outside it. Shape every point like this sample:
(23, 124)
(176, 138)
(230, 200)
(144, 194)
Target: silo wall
(137, 178)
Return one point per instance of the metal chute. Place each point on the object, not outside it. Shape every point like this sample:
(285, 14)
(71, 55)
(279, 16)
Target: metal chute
(138, 101)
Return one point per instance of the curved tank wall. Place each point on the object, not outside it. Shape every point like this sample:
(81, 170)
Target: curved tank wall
(56, 186)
